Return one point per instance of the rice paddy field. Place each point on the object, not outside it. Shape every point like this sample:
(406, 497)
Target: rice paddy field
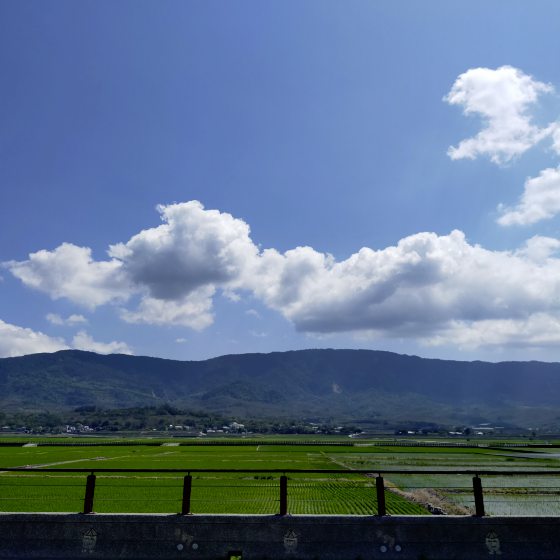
(253, 486)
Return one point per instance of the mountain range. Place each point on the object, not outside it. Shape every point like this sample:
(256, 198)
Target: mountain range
(351, 385)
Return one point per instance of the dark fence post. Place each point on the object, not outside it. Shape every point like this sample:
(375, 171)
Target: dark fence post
(187, 487)
(90, 491)
(283, 495)
(380, 488)
(478, 496)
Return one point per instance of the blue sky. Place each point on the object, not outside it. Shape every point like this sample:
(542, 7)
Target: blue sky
(191, 179)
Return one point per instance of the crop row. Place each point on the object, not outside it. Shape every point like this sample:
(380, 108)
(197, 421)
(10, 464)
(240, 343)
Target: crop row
(220, 494)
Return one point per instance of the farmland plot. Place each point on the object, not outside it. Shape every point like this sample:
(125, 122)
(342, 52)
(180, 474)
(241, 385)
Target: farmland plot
(258, 493)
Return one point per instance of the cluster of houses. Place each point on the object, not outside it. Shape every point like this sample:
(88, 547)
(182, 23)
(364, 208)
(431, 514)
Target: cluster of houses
(232, 427)
(78, 428)
(479, 430)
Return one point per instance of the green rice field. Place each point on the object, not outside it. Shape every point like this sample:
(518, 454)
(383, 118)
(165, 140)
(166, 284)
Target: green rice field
(244, 491)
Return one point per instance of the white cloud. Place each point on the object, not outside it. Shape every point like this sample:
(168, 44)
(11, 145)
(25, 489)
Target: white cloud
(282, 281)
(540, 200)
(174, 267)
(555, 132)
(70, 272)
(83, 341)
(54, 319)
(193, 310)
(419, 289)
(538, 330)
(19, 341)
(71, 320)
(502, 98)
(539, 248)
(75, 319)
(253, 313)
(428, 287)
(193, 247)
(258, 334)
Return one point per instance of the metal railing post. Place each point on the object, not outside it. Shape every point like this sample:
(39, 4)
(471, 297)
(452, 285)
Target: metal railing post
(380, 490)
(283, 495)
(186, 503)
(478, 496)
(90, 491)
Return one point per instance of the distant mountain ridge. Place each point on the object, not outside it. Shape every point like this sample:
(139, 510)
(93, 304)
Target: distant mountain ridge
(369, 385)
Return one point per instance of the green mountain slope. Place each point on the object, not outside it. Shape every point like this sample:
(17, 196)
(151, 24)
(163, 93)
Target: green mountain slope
(345, 384)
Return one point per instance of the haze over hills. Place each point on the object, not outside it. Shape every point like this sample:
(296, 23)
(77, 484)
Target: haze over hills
(356, 385)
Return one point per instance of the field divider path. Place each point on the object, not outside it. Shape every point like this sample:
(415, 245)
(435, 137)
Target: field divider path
(55, 464)
(339, 463)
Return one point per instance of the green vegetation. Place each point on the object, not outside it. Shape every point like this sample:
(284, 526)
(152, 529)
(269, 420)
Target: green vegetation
(377, 391)
(249, 492)
(161, 419)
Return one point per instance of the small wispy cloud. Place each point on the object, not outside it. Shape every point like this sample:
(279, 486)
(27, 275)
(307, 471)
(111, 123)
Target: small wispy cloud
(83, 341)
(71, 320)
(258, 334)
(253, 313)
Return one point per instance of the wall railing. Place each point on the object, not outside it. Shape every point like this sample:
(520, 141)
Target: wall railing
(380, 483)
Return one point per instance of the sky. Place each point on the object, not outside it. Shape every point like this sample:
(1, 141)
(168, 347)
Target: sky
(187, 179)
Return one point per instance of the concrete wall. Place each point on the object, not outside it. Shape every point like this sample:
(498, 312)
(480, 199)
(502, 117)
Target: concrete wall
(220, 537)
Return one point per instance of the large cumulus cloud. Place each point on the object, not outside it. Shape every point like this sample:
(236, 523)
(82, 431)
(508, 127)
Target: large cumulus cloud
(433, 288)
(419, 288)
(194, 247)
(173, 267)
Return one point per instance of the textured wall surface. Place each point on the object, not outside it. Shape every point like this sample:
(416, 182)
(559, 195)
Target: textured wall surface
(243, 537)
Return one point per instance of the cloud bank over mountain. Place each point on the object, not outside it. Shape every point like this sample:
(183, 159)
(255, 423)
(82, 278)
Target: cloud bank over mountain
(433, 288)
(19, 341)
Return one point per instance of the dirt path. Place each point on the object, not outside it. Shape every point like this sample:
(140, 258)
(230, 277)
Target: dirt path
(41, 465)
